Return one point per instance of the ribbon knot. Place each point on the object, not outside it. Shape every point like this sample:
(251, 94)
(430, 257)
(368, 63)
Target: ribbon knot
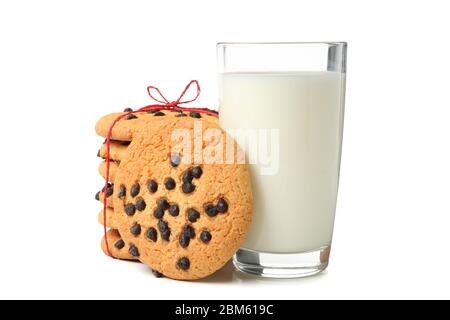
(173, 104)
(163, 100)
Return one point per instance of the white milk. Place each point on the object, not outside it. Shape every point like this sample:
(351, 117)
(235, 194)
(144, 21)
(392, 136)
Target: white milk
(295, 208)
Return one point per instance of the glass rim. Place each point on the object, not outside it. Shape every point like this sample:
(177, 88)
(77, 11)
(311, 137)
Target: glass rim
(334, 43)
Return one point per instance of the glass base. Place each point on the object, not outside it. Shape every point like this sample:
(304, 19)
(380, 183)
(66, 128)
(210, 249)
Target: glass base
(282, 265)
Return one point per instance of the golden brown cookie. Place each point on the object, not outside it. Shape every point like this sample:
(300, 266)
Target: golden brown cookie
(184, 220)
(116, 245)
(125, 128)
(117, 150)
(113, 167)
(110, 223)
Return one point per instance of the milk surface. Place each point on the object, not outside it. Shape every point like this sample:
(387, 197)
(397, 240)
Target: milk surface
(294, 208)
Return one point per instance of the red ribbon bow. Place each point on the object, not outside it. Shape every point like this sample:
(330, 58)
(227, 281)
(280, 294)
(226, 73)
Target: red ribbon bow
(164, 104)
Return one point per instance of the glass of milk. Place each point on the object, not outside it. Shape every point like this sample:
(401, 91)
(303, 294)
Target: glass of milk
(284, 104)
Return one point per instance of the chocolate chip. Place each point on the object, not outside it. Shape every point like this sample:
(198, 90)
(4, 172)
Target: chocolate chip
(163, 226)
(197, 172)
(193, 215)
(109, 190)
(184, 240)
(183, 264)
(164, 204)
(152, 234)
(130, 209)
(165, 235)
(131, 117)
(170, 184)
(175, 160)
(158, 213)
(133, 250)
(189, 231)
(205, 236)
(187, 177)
(174, 210)
(188, 187)
(159, 114)
(152, 111)
(127, 110)
(195, 115)
(122, 191)
(98, 154)
(135, 229)
(97, 196)
(211, 210)
(140, 204)
(119, 244)
(152, 186)
(174, 110)
(157, 274)
(135, 189)
(222, 205)
(181, 115)
(125, 143)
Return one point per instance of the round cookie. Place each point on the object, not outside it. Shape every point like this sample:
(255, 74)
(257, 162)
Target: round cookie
(191, 218)
(117, 150)
(113, 167)
(110, 223)
(117, 246)
(126, 127)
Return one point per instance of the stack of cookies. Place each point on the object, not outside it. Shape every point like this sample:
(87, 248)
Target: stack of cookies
(175, 200)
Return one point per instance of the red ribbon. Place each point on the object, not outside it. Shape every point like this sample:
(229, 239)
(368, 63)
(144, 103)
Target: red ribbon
(164, 104)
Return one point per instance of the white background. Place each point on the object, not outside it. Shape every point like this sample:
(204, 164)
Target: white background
(63, 64)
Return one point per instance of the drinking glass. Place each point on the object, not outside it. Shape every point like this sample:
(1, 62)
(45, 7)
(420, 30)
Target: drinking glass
(284, 104)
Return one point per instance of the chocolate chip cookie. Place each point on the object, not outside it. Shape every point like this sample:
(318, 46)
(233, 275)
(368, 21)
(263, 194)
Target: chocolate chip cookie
(117, 246)
(125, 128)
(182, 218)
